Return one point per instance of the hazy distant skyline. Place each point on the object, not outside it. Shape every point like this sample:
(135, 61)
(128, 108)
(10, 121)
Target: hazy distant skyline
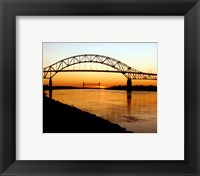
(141, 56)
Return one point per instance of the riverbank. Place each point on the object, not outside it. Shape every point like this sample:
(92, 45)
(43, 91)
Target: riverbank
(62, 118)
(134, 88)
(119, 87)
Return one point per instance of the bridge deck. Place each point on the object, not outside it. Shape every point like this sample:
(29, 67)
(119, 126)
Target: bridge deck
(111, 71)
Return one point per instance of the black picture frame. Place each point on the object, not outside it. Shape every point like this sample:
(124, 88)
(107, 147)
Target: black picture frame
(9, 9)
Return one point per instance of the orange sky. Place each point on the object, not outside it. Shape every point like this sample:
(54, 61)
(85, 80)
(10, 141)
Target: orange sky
(105, 79)
(141, 56)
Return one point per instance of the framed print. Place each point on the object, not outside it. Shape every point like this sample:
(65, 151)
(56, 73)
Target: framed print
(117, 100)
(98, 88)
(82, 64)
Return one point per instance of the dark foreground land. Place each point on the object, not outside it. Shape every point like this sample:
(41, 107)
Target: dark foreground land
(61, 118)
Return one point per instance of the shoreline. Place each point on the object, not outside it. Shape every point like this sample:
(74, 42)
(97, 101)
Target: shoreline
(134, 88)
(63, 118)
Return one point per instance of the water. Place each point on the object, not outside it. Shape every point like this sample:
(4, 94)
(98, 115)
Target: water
(136, 111)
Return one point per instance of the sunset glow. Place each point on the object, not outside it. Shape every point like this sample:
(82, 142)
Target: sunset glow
(108, 87)
(141, 56)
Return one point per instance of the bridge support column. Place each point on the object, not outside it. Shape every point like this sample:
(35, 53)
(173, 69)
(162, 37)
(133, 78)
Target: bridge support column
(50, 88)
(129, 85)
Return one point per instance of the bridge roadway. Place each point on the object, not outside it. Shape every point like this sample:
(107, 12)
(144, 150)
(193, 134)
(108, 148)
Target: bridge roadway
(120, 67)
(94, 70)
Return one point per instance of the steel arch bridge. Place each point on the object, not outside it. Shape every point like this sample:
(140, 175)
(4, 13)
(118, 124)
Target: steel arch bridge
(118, 66)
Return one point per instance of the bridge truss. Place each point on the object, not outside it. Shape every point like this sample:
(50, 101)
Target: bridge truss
(118, 66)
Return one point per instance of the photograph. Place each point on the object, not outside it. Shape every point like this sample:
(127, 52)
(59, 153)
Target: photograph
(99, 87)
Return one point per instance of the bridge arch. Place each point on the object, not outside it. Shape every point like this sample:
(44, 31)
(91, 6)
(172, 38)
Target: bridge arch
(120, 67)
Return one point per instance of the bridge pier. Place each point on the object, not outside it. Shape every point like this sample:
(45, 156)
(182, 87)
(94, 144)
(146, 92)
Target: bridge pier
(129, 85)
(50, 88)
